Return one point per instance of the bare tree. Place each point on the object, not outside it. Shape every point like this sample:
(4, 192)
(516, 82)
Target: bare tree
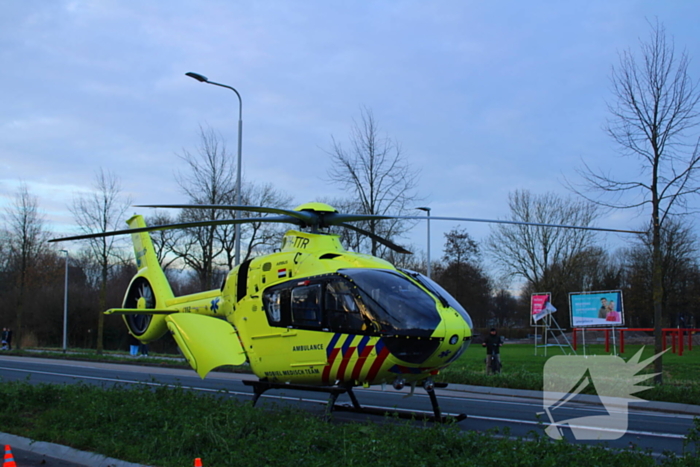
(209, 178)
(679, 247)
(26, 242)
(350, 239)
(459, 246)
(103, 210)
(656, 107)
(545, 257)
(375, 172)
(260, 237)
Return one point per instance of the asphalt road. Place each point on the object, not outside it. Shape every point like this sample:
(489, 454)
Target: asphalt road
(656, 426)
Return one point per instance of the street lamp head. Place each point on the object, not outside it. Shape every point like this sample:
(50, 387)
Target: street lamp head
(198, 77)
(424, 208)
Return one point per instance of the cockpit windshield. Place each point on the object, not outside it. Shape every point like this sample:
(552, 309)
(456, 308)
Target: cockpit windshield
(395, 303)
(441, 293)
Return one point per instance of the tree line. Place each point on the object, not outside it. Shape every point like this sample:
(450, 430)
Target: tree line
(559, 261)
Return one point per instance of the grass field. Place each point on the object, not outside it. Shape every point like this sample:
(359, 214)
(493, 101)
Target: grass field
(522, 369)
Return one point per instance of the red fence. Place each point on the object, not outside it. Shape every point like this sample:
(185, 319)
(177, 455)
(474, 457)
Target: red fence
(676, 334)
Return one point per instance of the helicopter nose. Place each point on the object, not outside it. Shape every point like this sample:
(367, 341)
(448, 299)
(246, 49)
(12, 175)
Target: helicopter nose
(449, 340)
(457, 338)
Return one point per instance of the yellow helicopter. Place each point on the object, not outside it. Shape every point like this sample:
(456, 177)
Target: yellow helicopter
(311, 316)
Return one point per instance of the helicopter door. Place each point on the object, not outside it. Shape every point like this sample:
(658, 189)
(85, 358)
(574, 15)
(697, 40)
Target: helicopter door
(298, 349)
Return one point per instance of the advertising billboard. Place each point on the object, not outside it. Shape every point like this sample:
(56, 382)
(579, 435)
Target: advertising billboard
(596, 308)
(540, 306)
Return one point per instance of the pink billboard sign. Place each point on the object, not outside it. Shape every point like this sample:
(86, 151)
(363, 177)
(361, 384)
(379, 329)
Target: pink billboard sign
(541, 306)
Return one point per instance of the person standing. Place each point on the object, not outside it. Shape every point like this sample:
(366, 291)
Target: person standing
(7, 337)
(493, 352)
(134, 345)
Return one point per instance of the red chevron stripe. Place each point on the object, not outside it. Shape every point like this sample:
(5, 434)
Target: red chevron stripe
(346, 359)
(377, 364)
(329, 365)
(360, 362)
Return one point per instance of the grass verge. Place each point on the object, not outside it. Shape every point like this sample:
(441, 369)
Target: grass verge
(170, 427)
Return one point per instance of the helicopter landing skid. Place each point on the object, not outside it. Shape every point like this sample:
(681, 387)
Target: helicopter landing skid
(259, 387)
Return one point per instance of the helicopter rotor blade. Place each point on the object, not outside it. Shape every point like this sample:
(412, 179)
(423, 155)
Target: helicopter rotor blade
(534, 224)
(309, 218)
(325, 219)
(306, 217)
(340, 219)
(359, 217)
(186, 225)
(316, 219)
(383, 241)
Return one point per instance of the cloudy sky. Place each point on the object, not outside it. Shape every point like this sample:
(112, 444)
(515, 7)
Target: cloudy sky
(483, 97)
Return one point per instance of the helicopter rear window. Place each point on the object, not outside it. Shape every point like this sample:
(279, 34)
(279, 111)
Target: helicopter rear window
(277, 306)
(274, 306)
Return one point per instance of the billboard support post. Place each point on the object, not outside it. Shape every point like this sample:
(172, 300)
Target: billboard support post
(542, 311)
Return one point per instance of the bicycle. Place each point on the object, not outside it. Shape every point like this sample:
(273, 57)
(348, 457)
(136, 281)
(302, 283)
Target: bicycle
(493, 363)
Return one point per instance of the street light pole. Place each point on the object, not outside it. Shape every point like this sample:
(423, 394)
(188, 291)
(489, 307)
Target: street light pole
(65, 306)
(236, 214)
(427, 210)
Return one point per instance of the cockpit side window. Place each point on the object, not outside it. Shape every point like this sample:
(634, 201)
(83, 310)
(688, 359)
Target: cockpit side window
(306, 305)
(343, 313)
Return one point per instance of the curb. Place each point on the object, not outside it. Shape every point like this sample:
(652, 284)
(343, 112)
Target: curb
(65, 453)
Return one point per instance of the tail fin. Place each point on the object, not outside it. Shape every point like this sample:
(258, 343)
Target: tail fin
(148, 289)
(143, 246)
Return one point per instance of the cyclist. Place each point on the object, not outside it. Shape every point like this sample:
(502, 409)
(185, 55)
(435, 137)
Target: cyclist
(493, 344)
